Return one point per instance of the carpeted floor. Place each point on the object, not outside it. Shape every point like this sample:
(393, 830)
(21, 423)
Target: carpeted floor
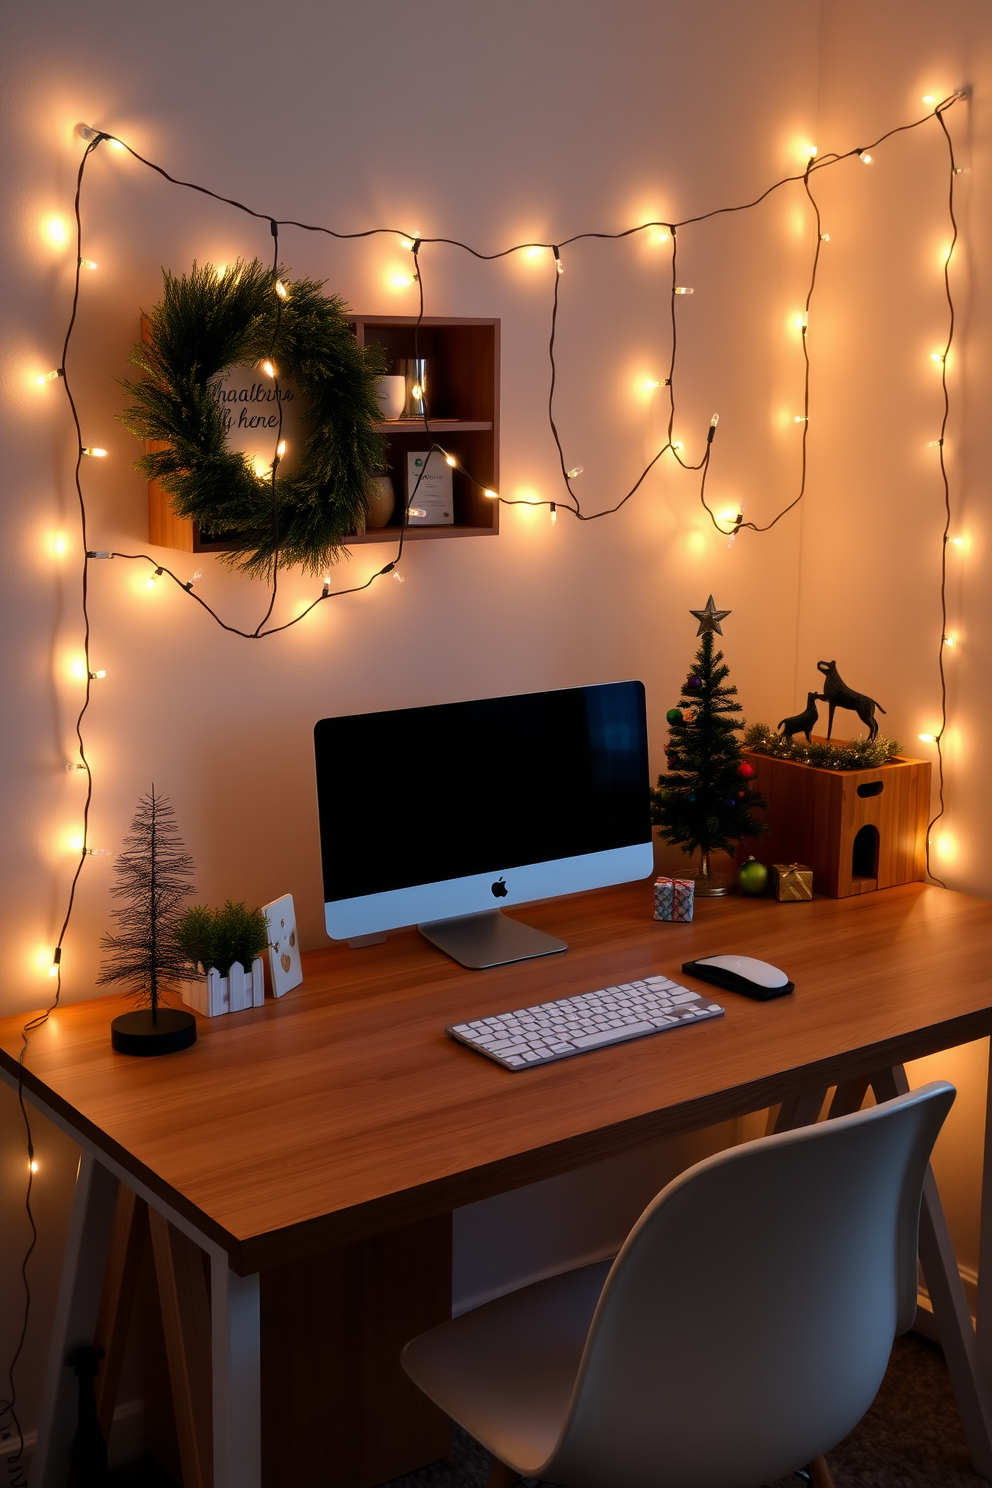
(911, 1438)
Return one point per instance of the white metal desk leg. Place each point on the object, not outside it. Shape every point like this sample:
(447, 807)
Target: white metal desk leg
(80, 1287)
(237, 1399)
(950, 1306)
(983, 1309)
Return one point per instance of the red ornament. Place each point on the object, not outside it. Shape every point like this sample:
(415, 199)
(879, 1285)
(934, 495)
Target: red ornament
(744, 770)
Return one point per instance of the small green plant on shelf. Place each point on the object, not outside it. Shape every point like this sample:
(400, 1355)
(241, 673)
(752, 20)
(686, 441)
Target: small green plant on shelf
(850, 754)
(217, 938)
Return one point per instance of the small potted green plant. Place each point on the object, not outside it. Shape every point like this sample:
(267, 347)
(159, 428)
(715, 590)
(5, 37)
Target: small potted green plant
(226, 946)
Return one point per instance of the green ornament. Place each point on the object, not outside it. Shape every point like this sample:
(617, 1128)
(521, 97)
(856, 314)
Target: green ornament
(674, 715)
(752, 877)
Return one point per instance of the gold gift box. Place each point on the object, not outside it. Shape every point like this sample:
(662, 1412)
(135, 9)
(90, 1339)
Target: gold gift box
(792, 881)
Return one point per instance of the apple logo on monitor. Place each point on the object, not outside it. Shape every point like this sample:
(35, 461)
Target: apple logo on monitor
(499, 889)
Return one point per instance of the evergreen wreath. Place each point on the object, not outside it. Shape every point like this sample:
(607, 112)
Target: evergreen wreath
(209, 321)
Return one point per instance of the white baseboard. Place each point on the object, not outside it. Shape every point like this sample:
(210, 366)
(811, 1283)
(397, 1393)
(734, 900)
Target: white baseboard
(925, 1322)
(127, 1437)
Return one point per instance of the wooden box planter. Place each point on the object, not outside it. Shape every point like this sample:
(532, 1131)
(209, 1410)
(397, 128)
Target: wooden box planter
(858, 830)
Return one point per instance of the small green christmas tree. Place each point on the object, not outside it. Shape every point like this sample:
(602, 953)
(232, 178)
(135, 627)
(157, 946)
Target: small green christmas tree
(153, 876)
(705, 800)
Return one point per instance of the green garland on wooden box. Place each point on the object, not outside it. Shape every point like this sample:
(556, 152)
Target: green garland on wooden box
(209, 321)
(846, 754)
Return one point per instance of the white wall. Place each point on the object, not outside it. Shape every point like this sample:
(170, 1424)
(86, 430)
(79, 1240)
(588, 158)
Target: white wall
(492, 124)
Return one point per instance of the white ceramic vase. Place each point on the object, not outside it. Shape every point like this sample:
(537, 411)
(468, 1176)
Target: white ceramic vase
(382, 501)
(392, 396)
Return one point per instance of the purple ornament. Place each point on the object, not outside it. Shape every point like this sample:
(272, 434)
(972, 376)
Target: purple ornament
(730, 801)
(694, 682)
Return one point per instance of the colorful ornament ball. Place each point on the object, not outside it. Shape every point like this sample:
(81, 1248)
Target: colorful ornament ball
(745, 770)
(694, 682)
(674, 715)
(752, 877)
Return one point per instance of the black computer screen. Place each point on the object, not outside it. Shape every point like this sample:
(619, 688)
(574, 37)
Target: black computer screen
(421, 795)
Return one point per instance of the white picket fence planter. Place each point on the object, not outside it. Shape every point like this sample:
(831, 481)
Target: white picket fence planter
(233, 993)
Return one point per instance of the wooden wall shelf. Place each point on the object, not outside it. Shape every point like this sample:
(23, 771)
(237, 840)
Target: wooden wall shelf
(464, 396)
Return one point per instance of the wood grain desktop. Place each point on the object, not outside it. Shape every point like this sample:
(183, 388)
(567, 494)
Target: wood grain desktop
(341, 1119)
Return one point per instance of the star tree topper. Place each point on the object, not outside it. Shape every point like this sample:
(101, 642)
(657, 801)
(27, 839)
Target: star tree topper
(709, 618)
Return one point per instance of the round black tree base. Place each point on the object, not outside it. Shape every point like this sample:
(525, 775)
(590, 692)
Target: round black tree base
(135, 1033)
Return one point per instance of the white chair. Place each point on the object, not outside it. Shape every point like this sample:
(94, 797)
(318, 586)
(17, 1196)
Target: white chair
(742, 1331)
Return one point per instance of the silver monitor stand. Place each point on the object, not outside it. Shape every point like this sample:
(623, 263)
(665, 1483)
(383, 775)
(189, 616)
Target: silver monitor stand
(489, 939)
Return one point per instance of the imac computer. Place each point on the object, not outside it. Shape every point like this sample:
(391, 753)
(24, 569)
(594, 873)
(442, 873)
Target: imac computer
(440, 816)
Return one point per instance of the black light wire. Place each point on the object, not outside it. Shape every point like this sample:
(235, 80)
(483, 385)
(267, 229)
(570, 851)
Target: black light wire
(573, 505)
(95, 138)
(8, 1406)
(945, 480)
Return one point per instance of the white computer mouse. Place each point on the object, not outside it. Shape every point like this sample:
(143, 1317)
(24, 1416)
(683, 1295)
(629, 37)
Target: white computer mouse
(742, 974)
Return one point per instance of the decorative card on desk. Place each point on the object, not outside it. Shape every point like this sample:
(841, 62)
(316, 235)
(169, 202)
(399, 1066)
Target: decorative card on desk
(429, 503)
(285, 967)
(673, 899)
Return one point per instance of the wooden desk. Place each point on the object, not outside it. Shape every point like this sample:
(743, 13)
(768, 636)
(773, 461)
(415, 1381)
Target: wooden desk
(335, 1130)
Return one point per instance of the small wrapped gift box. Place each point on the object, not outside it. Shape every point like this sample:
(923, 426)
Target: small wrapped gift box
(673, 899)
(792, 881)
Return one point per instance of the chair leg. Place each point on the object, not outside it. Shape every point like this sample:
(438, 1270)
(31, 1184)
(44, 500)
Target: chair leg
(820, 1475)
(501, 1476)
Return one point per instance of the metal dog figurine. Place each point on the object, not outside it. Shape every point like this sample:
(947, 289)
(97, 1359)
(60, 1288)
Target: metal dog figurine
(802, 723)
(838, 695)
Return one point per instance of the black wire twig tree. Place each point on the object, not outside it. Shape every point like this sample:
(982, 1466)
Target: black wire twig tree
(153, 876)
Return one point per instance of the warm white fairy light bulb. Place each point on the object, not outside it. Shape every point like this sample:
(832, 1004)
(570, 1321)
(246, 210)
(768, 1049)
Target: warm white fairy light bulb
(554, 514)
(824, 237)
(575, 470)
(33, 1165)
(268, 369)
(650, 384)
(450, 460)
(153, 579)
(416, 511)
(683, 289)
(48, 376)
(927, 738)
(416, 392)
(281, 448)
(937, 356)
(929, 99)
(97, 676)
(94, 452)
(281, 290)
(325, 592)
(87, 263)
(865, 157)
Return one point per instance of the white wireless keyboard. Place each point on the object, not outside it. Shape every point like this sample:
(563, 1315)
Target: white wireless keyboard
(555, 1030)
